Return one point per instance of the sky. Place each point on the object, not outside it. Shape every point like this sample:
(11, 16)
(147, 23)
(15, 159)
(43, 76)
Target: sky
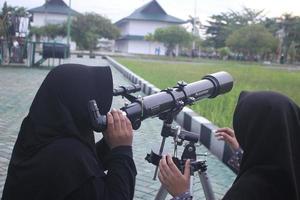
(117, 9)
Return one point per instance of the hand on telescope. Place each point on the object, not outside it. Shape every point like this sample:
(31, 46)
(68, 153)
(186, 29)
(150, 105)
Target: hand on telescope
(171, 178)
(227, 135)
(119, 130)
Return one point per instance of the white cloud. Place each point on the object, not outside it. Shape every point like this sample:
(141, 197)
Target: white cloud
(117, 9)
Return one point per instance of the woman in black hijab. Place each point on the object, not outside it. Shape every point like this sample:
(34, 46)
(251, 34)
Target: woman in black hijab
(267, 127)
(55, 155)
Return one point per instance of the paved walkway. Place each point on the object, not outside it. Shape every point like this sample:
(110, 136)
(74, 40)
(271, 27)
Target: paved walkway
(17, 89)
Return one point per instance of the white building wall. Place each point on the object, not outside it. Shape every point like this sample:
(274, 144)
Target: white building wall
(41, 19)
(140, 28)
(124, 28)
(139, 47)
(145, 27)
(121, 46)
(145, 47)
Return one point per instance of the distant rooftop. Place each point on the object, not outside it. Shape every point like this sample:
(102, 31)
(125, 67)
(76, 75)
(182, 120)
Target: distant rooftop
(151, 11)
(54, 7)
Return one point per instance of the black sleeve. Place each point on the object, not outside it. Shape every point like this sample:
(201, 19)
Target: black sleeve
(236, 159)
(103, 152)
(119, 182)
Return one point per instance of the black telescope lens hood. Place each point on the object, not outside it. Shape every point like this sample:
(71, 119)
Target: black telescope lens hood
(222, 81)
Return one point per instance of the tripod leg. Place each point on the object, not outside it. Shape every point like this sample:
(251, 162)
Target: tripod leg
(161, 194)
(206, 185)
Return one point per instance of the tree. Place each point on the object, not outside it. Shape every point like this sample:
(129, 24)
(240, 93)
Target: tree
(8, 16)
(271, 24)
(198, 42)
(88, 28)
(247, 16)
(292, 52)
(5, 21)
(217, 30)
(7, 12)
(172, 36)
(224, 52)
(222, 25)
(291, 27)
(2, 30)
(252, 40)
(149, 37)
(297, 57)
(50, 30)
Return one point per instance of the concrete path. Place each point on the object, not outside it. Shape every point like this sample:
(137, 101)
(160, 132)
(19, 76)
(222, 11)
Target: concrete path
(17, 89)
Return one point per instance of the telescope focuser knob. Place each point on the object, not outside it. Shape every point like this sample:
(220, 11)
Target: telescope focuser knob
(168, 89)
(181, 84)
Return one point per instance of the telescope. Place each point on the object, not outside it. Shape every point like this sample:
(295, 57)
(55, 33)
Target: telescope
(166, 103)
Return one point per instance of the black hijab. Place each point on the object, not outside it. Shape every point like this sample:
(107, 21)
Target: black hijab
(59, 111)
(267, 127)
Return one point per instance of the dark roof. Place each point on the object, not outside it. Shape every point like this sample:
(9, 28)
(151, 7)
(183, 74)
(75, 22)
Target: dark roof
(151, 11)
(55, 7)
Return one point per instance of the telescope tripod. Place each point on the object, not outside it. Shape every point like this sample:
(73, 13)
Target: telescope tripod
(189, 152)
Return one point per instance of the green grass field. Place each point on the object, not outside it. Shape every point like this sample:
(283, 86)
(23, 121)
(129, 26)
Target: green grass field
(247, 76)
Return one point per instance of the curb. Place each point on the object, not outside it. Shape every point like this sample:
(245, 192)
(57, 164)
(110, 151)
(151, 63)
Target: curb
(187, 118)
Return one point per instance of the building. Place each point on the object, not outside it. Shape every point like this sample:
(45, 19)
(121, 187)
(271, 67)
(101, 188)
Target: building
(141, 22)
(52, 12)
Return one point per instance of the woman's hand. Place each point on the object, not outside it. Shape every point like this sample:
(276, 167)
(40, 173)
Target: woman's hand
(119, 130)
(227, 135)
(171, 178)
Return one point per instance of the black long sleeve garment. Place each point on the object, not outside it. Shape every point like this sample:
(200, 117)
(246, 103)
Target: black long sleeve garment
(73, 171)
(267, 127)
(119, 181)
(55, 156)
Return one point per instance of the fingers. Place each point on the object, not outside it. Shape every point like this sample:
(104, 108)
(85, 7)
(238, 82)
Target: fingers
(187, 168)
(161, 178)
(172, 166)
(219, 136)
(227, 134)
(171, 178)
(226, 130)
(110, 121)
(223, 136)
(119, 130)
(163, 166)
(128, 124)
(122, 119)
(116, 119)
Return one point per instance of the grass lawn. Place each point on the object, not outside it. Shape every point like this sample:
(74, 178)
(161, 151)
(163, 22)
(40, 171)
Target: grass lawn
(247, 76)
